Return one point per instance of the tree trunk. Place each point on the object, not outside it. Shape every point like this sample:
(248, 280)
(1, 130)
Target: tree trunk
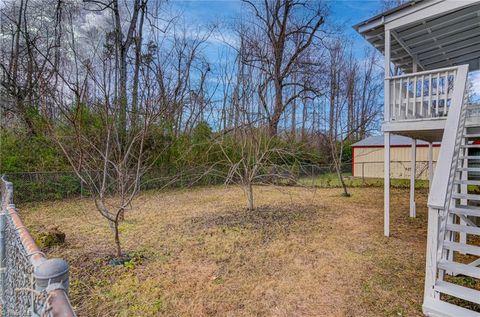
(118, 248)
(138, 54)
(277, 110)
(122, 95)
(122, 47)
(304, 119)
(345, 193)
(333, 95)
(249, 192)
(294, 118)
(351, 104)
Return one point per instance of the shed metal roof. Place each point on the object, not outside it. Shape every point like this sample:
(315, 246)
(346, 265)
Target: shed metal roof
(445, 39)
(395, 140)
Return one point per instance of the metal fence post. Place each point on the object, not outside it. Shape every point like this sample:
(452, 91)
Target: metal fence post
(2, 260)
(5, 199)
(51, 271)
(52, 278)
(24, 266)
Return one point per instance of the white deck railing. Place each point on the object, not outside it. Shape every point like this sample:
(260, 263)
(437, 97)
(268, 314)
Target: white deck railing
(422, 95)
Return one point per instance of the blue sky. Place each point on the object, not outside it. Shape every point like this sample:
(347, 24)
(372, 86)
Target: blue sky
(222, 12)
(199, 13)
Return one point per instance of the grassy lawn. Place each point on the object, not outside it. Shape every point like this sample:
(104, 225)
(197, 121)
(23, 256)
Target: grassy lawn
(304, 252)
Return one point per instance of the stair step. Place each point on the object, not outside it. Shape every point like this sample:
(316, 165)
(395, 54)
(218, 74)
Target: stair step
(471, 146)
(439, 308)
(463, 228)
(466, 210)
(461, 247)
(469, 169)
(458, 291)
(460, 268)
(467, 182)
(469, 157)
(466, 196)
(472, 135)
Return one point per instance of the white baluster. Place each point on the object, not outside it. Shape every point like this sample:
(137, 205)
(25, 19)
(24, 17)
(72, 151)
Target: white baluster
(400, 104)
(394, 99)
(414, 108)
(438, 94)
(445, 85)
(407, 105)
(430, 95)
(421, 96)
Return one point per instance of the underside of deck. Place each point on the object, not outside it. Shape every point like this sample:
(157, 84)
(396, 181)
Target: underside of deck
(430, 129)
(427, 130)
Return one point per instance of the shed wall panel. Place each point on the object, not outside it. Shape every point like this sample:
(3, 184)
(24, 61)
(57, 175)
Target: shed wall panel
(368, 162)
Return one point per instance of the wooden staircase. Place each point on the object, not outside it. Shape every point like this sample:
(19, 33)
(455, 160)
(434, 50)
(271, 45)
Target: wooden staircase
(461, 241)
(453, 247)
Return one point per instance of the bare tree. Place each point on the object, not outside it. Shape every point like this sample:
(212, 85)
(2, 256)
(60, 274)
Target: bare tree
(76, 85)
(249, 154)
(122, 41)
(353, 104)
(278, 38)
(252, 157)
(131, 71)
(90, 140)
(27, 44)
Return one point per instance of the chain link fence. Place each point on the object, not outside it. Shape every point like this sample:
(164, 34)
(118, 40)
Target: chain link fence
(30, 284)
(40, 186)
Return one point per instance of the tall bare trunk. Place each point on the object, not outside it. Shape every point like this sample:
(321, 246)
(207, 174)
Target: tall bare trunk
(138, 54)
(294, 118)
(277, 111)
(304, 119)
(249, 193)
(338, 167)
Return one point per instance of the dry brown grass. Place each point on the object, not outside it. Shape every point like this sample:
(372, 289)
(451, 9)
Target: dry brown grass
(199, 253)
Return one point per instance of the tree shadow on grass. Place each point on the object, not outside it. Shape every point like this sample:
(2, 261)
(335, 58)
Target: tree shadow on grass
(267, 220)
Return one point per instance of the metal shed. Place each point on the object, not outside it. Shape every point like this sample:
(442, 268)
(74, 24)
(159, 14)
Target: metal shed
(368, 158)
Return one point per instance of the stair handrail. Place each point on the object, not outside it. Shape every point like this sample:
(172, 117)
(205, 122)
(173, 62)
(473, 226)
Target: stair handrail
(442, 184)
(439, 195)
(426, 72)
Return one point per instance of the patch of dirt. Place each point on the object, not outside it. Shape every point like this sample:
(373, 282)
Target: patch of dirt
(265, 219)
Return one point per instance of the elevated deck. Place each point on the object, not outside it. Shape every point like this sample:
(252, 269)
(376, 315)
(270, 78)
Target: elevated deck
(441, 38)
(430, 129)
(420, 102)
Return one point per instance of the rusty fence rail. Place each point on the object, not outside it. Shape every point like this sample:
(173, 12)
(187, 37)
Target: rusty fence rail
(30, 284)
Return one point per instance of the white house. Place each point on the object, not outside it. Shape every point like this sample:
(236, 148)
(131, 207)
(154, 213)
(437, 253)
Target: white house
(435, 44)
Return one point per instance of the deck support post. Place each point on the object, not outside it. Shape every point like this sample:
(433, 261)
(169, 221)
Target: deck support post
(387, 185)
(413, 170)
(386, 106)
(430, 164)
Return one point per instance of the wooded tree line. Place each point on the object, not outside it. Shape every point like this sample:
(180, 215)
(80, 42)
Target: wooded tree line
(287, 69)
(119, 87)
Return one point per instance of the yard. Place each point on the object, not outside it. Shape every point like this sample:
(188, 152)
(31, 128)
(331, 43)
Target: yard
(303, 252)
